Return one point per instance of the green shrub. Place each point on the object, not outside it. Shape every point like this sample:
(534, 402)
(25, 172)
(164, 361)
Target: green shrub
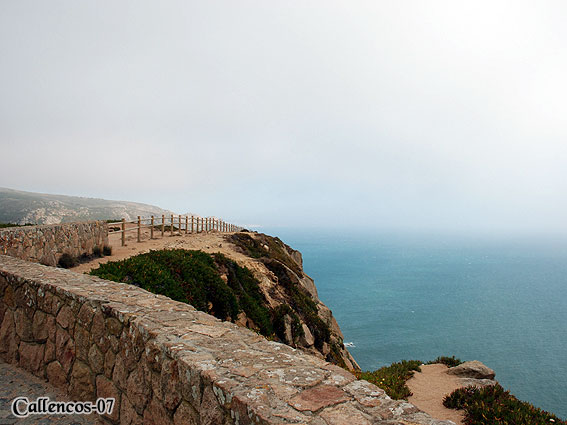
(106, 250)
(97, 251)
(494, 405)
(392, 379)
(448, 361)
(194, 277)
(247, 290)
(67, 261)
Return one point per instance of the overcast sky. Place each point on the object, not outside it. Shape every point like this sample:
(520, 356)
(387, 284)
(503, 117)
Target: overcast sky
(390, 114)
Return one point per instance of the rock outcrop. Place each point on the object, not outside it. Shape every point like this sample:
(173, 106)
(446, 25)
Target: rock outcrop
(305, 322)
(473, 369)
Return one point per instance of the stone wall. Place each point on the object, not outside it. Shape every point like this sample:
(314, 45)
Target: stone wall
(166, 363)
(45, 244)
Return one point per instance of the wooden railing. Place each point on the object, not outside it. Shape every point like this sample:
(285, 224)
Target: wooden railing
(178, 223)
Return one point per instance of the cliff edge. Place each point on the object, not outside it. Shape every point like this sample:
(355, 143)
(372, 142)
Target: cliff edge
(288, 295)
(301, 319)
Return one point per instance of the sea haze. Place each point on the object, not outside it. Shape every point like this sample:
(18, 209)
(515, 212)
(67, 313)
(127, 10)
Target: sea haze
(399, 296)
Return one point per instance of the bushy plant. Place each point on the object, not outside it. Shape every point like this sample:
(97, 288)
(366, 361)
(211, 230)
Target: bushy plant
(97, 251)
(448, 361)
(67, 261)
(392, 379)
(194, 277)
(494, 405)
(106, 250)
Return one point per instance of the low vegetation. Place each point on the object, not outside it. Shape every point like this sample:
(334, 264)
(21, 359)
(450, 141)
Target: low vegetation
(274, 254)
(194, 277)
(393, 378)
(4, 225)
(448, 361)
(494, 405)
(68, 261)
(262, 246)
(219, 286)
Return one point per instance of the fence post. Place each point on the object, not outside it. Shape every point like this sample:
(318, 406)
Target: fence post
(171, 227)
(152, 229)
(192, 224)
(180, 224)
(123, 232)
(186, 224)
(139, 229)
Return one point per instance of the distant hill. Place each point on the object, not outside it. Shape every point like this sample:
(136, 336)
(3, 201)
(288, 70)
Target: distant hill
(39, 208)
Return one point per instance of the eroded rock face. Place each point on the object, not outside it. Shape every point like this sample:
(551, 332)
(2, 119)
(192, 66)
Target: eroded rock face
(473, 369)
(279, 269)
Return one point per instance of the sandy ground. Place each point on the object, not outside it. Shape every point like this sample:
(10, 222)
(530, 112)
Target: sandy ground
(429, 387)
(209, 242)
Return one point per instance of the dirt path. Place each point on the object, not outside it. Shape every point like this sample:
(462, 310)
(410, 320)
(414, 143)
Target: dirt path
(429, 387)
(210, 242)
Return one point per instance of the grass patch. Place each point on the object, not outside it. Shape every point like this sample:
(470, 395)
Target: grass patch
(494, 405)
(393, 378)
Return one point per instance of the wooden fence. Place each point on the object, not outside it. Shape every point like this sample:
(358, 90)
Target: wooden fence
(173, 223)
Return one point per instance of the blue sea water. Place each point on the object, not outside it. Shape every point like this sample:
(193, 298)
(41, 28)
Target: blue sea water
(502, 301)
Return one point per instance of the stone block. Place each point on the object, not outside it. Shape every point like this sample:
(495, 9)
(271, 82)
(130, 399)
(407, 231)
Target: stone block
(156, 414)
(82, 382)
(96, 359)
(210, 412)
(65, 317)
(56, 375)
(316, 398)
(139, 388)
(10, 339)
(31, 357)
(85, 316)
(106, 389)
(185, 414)
(128, 415)
(23, 320)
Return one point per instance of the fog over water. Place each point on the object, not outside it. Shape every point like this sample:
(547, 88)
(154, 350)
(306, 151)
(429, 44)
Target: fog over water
(435, 115)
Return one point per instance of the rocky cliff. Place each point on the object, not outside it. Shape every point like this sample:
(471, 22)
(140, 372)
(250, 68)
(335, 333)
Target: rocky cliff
(251, 279)
(301, 319)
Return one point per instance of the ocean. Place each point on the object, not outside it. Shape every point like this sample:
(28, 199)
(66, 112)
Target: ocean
(502, 301)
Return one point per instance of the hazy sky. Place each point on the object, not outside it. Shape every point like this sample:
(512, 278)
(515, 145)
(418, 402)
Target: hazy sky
(389, 114)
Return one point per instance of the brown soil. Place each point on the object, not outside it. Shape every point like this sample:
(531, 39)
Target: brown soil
(208, 242)
(429, 387)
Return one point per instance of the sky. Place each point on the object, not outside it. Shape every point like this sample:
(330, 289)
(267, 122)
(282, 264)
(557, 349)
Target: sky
(419, 115)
